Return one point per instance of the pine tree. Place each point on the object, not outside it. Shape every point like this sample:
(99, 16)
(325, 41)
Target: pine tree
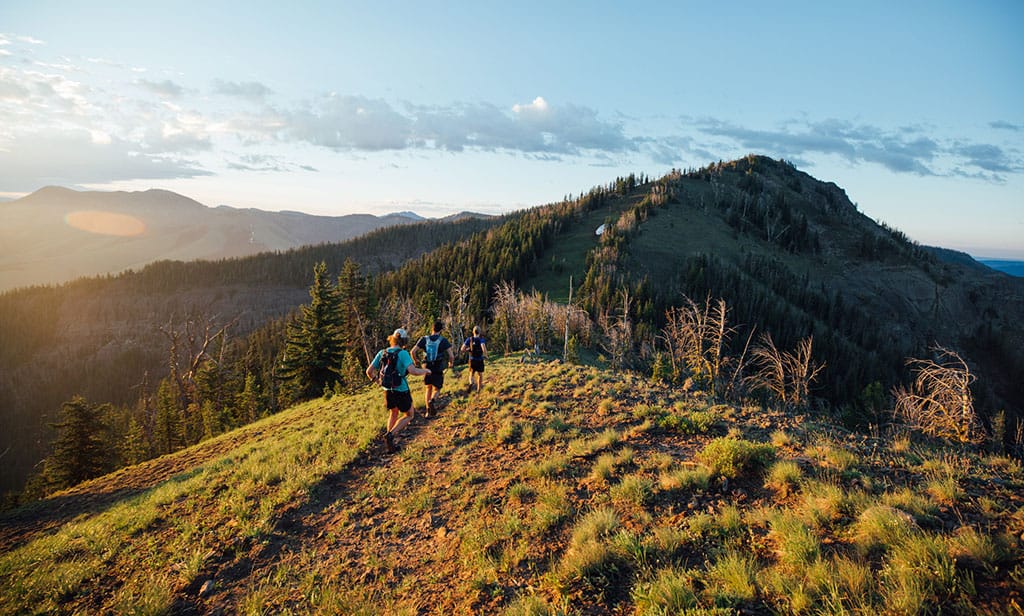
(168, 431)
(247, 402)
(354, 299)
(135, 447)
(79, 453)
(314, 351)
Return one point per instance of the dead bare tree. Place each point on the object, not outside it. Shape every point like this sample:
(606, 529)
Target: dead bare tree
(457, 312)
(696, 336)
(504, 309)
(190, 348)
(787, 376)
(802, 371)
(189, 352)
(393, 312)
(939, 403)
(617, 341)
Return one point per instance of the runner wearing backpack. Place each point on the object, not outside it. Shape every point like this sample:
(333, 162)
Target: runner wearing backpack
(389, 368)
(476, 346)
(435, 348)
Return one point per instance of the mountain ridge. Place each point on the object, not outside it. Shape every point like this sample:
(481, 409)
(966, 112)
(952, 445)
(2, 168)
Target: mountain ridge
(57, 234)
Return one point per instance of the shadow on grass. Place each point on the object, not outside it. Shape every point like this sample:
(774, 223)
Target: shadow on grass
(22, 525)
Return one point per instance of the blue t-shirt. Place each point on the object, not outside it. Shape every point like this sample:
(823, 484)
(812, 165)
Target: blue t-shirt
(404, 361)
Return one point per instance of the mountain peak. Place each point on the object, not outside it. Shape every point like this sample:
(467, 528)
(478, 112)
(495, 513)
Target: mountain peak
(408, 214)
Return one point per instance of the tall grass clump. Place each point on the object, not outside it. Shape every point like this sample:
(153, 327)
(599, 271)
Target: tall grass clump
(783, 477)
(592, 562)
(974, 550)
(685, 479)
(532, 605)
(880, 527)
(731, 578)
(795, 543)
(633, 490)
(919, 575)
(688, 422)
(670, 592)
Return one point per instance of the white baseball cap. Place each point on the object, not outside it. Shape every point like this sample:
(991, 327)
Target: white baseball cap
(401, 333)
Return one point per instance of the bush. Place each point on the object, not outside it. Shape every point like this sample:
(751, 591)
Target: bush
(730, 457)
(694, 422)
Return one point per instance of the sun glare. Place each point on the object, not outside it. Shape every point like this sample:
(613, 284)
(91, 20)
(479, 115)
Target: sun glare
(106, 223)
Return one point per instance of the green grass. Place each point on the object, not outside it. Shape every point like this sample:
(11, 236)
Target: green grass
(214, 501)
(498, 506)
(783, 477)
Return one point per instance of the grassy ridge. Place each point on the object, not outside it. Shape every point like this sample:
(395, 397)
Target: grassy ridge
(150, 547)
(559, 489)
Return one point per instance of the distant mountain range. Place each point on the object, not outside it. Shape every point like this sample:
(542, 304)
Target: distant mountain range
(55, 235)
(1013, 268)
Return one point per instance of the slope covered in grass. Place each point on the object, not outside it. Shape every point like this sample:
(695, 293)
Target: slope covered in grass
(559, 489)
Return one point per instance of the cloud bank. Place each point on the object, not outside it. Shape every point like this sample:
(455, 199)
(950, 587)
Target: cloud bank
(73, 158)
(60, 123)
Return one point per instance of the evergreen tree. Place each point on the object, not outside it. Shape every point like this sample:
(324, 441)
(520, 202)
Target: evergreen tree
(168, 431)
(247, 402)
(135, 447)
(314, 350)
(79, 453)
(354, 299)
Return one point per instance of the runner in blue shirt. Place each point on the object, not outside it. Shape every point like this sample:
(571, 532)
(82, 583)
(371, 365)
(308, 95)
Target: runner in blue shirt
(389, 368)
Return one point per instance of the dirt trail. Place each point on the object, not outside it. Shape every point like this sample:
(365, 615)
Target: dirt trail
(362, 535)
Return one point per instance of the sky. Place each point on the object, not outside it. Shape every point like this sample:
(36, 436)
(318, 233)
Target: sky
(916, 109)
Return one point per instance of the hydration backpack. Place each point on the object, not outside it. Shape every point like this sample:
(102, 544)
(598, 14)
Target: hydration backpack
(477, 348)
(388, 375)
(432, 344)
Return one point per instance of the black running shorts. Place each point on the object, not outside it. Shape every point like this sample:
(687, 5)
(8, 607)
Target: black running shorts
(476, 365)
(401, 400)
(435, 378)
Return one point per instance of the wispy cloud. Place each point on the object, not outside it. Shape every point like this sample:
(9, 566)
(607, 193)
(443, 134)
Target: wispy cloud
(348, 123)
(1004, 125)
(989, 158)
(78, 157)
(265, 163)
(906, 150)
(152, 127)
(166, 89)
(356, 123)
(253, 91)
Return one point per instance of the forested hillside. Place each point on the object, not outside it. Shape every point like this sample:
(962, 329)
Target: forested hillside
(747, 281)
(108, 339)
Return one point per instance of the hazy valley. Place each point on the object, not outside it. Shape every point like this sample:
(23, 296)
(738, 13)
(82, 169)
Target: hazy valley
(56, 235)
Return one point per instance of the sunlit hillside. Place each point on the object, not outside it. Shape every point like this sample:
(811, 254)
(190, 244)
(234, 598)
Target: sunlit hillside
(561, 489)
